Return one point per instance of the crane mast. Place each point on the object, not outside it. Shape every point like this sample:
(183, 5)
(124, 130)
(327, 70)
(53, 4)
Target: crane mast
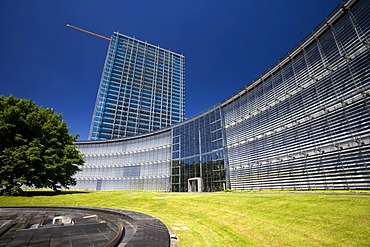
(88, 32)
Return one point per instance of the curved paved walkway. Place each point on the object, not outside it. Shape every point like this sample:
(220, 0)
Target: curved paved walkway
(31, 226)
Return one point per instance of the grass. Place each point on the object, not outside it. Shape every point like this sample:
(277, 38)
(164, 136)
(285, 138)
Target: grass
(237, 218)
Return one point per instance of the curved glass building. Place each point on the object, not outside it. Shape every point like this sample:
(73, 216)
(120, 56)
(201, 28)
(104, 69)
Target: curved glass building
(304, 124)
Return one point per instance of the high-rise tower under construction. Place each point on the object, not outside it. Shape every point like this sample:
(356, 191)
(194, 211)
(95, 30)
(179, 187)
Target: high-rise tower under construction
(141, 90)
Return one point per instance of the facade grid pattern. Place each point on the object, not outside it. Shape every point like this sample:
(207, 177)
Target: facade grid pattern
(141, 90)
(304, 124)
(141, 163)
(197, 152)
(307, 124)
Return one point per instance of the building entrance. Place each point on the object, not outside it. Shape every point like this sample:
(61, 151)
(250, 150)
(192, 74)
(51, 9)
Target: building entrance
(195, 185)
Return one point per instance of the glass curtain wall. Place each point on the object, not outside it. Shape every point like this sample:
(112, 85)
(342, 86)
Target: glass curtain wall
(306, 123)
(197, 152)
(141, 90)
(141, 163)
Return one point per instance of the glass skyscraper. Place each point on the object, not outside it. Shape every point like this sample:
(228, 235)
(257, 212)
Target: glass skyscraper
(141, 90)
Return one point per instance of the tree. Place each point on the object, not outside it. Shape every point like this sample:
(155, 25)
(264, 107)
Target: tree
(36, 149)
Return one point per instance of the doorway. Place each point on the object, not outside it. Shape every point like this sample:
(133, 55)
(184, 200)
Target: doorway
(195, 185)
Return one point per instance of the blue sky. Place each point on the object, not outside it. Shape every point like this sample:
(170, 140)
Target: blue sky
(227, 44)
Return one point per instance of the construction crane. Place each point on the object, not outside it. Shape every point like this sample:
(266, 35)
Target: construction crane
(88, 32)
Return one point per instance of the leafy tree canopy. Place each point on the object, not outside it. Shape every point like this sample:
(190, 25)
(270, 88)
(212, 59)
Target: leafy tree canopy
(36, 149)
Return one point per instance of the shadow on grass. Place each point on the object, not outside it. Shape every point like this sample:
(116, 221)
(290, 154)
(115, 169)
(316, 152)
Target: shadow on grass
(31, 193)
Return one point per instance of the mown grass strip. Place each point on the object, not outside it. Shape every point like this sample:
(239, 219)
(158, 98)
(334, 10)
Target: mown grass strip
(235, 219)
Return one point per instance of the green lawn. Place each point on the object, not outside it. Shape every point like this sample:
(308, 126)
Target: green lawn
(237, 218)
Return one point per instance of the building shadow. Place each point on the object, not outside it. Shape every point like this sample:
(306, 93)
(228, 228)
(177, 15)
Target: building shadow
(32, 193)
